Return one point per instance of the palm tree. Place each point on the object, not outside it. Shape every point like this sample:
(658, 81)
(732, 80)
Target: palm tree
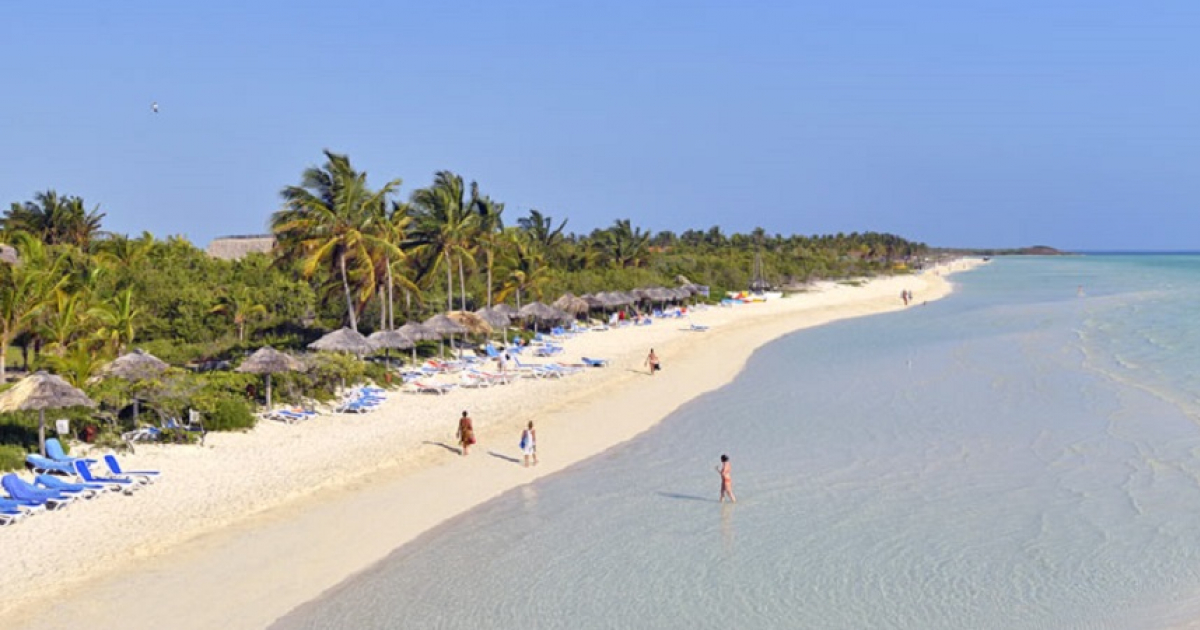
(489, 231)
(541, 231)
(444, 230)
(330, 219)
(118, 319)
(528, 272)
(625, 245)
(241, 306)
(54, 219)
(25, 290)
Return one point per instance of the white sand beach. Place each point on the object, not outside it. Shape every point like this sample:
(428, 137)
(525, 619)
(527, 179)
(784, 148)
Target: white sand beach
(241, 530)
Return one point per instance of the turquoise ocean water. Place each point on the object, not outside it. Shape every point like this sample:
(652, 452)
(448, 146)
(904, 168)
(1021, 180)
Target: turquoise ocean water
(1014, 456)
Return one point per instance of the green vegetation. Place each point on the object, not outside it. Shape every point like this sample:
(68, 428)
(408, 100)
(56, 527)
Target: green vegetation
(346, 255)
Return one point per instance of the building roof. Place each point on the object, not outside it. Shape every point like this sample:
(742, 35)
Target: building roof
(235, 247)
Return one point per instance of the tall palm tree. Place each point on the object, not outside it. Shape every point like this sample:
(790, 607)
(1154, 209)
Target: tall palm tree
(329, 219)
(25, 290)
(528, 272)
(542, 233)
(54, 219)
(490, 228)
(444, 230)
(625, 245)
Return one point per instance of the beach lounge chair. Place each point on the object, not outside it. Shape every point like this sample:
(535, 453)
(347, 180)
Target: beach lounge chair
(473, 379)
(595, 362)
(41, 464)
(25, 492)
(123, 484)
(13, 505)
(114, 467)
(429, 387)
(194, 424)
(9, 516)
(55, 451)
(85, 490)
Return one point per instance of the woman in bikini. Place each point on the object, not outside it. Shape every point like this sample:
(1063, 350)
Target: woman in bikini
(726, 480)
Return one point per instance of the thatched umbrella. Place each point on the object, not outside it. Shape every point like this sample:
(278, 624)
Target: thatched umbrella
(43, 391)
(507, 309)
(343, 340)
(417, 332)
(8, 254)
(475, 324)
(568, 303)
(494, 318)
(138, 365)
(539, 312)
(445, 327)
(267, 360)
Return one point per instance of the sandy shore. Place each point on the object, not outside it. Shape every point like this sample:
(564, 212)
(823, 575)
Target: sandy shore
(240, 531)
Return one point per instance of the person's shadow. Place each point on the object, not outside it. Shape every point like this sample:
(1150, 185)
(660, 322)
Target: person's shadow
(456, 451)
(504, 457)
(686, 497)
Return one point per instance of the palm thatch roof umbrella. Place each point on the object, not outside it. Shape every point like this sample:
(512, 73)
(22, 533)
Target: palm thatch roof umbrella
(507, 309)
(539, 312)
(445, 327)
(267, 360)
(417, 332)
(388, 339)
(412, 331)
(138, 365)
(570, 304)
(43, 391)
(343, 340)
(475, 324)
(495, 318)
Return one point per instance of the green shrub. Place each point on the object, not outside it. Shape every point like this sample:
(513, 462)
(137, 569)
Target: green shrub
(228, 413)
(11, 457)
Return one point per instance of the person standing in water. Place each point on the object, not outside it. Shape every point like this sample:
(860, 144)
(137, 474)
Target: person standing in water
(529, 444)
(726, 472)
(466, 433)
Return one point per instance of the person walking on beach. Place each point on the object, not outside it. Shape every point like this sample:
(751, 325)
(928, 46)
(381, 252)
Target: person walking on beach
(726, 480)
(466, 433)
(529, 444)
(652, 362)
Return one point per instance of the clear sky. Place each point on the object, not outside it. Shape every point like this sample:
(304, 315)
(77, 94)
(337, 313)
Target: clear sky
(1072, 124)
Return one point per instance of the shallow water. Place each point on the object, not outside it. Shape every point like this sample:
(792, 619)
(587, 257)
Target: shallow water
(1015, 456)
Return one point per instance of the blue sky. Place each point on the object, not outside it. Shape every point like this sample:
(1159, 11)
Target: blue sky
(1073, 124)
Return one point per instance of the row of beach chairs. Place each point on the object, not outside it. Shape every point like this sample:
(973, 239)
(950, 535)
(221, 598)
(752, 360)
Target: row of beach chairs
(60, 480)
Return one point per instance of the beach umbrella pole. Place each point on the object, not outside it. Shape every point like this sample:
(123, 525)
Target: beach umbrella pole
(42, 431)
(268, 391)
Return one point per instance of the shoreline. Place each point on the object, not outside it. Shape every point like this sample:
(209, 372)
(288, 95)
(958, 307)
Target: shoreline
(241, 532)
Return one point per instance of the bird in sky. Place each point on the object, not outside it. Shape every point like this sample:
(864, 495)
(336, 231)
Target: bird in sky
(154, 107)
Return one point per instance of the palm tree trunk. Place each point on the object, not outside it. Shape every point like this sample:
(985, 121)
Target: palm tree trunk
(391, 301)
(449, 282)
(462, 284)
(490, 258)
(346, 287)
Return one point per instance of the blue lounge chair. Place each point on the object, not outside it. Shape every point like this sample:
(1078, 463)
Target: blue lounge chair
(41, 464)
(123, 484)
(55, 451)
(23, 491)
(595, 362)
(85, 490)
(115, 468)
